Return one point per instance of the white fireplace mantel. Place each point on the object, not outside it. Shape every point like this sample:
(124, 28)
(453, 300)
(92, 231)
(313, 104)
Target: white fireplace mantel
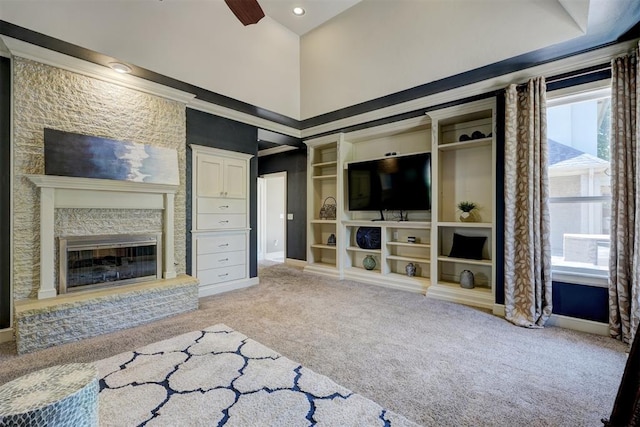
(71, 192)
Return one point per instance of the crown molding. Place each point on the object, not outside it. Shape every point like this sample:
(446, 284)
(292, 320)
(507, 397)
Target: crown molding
(401, 126)
(228, 113)
(276, 150)
(32, 52)
(572, 63)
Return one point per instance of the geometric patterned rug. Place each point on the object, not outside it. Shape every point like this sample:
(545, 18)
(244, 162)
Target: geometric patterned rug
(219, 377)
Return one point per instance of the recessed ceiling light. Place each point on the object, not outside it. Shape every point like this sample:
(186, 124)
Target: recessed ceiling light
(298, 11)
(120, 67)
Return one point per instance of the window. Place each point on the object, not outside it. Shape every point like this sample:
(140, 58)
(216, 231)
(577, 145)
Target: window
(578, 132)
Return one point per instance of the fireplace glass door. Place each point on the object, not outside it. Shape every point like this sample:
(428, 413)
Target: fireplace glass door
(98, 261)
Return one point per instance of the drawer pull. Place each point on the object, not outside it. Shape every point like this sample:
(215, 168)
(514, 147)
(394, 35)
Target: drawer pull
(224, 207)
(223, 260)
(223, 245)
(223, 275)
(224, 222)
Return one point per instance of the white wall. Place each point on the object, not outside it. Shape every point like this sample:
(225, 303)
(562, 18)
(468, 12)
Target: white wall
(275, 214)
(196, 41)
(379, 47)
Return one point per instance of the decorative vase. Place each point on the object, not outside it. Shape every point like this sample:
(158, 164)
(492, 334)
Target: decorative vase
(468, 217)
(369, 262)
(331, 241)
(466, 279)
(410, 269)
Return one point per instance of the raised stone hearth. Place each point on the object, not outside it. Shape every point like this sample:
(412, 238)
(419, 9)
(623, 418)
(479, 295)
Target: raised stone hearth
(71, 317)
(56, 318)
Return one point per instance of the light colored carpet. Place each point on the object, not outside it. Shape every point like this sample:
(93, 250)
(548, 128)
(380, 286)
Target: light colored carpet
(218, 376)
(436, 363)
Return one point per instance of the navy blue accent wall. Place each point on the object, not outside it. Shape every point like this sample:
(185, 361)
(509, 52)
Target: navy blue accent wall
(581, 301)
(294, 162)
(5, 192)
(217, 132)
(500, 104)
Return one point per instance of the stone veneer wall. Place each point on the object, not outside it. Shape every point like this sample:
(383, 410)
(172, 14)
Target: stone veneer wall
(41, 324)
(49, 97)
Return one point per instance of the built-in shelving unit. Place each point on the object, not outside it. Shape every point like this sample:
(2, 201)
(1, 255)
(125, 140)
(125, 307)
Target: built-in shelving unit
(463, 169)
(393, 256)
(323, 184)
(463, 157)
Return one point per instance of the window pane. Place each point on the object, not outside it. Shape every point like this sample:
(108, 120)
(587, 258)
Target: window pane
(578, 136)
(580, 235)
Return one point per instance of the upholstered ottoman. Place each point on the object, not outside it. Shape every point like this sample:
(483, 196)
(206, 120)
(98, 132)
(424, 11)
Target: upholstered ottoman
(63, 395)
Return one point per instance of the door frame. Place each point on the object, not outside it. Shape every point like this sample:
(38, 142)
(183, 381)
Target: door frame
(262, 213)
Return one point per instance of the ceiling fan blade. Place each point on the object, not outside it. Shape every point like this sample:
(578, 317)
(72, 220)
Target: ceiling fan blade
(247, 11)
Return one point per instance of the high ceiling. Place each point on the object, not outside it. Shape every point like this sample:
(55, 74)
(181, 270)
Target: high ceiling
(317, 12)
(341, 53)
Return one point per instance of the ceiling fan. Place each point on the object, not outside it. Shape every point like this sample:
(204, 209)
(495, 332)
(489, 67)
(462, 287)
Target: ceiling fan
(247, 11)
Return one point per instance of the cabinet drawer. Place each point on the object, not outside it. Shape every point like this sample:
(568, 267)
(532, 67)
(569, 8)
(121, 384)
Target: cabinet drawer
(219, 275)
(224, 243)
(216, 221)
(215, 206)
(218, 260)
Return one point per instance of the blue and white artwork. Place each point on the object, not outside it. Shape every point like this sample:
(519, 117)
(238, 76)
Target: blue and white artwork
(72, 154)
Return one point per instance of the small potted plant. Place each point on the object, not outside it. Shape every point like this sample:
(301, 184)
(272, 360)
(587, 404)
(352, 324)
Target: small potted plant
(467, 208)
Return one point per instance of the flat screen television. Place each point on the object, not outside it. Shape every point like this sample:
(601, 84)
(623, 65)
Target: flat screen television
(401, 183)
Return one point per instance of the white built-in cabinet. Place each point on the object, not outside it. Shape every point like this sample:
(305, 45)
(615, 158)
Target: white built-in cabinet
(220, 219)
(461, 171)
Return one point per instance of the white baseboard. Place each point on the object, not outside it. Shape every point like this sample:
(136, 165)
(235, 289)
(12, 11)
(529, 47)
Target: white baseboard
(387, 281)
(567, 322)
(274, 255)
(579, 324)
(218, 288)
(295, 262)
(323, 270)
(6, 335)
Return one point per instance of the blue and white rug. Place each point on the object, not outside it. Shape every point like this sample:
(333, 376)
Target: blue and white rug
(219, 377)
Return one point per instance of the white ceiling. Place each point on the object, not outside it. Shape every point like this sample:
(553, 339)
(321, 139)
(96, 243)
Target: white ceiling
(317, 12)
(350, 51)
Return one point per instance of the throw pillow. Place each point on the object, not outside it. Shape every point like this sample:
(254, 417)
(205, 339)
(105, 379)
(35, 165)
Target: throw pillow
(469, 247)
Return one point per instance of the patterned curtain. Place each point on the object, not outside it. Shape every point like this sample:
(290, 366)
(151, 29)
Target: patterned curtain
(527, 258)
(624, 256)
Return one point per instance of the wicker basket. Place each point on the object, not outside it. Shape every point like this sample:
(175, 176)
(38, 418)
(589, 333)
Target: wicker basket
(328, 210)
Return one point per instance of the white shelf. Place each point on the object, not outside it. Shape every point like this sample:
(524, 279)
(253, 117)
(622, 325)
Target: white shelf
(324, 221)
(323, 177)
(325, 164)
(323, 246)
(477, 289)
(388, 224)
(409, 245)
(474, 143)
(361, 270)
(409, 259)
(359, 249)
(485, 262)
(465, 224)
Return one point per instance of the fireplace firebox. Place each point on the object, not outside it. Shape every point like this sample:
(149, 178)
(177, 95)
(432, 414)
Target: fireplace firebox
(88, 262)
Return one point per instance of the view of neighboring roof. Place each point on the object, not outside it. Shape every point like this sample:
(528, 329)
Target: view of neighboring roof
(564, 157)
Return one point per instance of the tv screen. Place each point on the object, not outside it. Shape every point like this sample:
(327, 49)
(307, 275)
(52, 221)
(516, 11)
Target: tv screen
(393, 183)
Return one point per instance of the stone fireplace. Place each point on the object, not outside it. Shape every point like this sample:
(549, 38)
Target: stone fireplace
(86, 302)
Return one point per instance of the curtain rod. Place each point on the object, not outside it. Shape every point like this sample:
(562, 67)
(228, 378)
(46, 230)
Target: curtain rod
(594, 69)
(583, 72)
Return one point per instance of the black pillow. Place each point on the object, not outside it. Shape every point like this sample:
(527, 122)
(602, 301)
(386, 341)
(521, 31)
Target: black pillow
(469, 247)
